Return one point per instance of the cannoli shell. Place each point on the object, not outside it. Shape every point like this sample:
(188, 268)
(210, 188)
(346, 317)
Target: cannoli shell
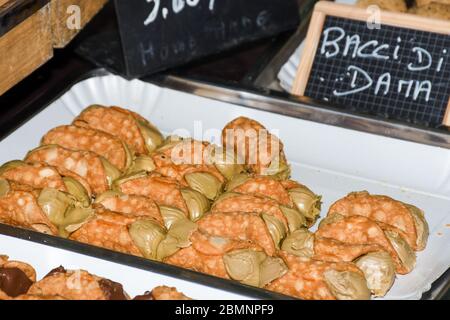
(20, 208)
(359, 230)
(239, 226)
(115, 121)
(133, 206)
(15, 278)
(164, 191)
(37, 175)
(336, 251)
(381, 209)
(184, 158)
(206, 254)
(86, 139)
(108, 230)
(263, 186)
(34, 297)
(84, 163)
(305, 278)
(250, 204)
(251, 144)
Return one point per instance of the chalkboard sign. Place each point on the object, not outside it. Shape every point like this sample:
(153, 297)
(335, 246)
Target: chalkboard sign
(157, 34)
(399, 69)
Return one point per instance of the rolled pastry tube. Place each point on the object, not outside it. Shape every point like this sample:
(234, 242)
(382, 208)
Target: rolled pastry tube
(137, 236)
(15, 278)
(40, 176)
(287, 193)
(97, 171)
(288, 218)
(139, 134)
(376, 264)
(261, 151)
(131, 205)
(141, 236)
(409, 220)
(173, 199)
(19, 207)
(359, 230)
(162, 293)
(78, 285)
(187, 161)
(319, 280)
(230, 259)
(240, 226)
(86, 139)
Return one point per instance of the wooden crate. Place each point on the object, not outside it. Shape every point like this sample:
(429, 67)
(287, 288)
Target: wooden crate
(30, 29)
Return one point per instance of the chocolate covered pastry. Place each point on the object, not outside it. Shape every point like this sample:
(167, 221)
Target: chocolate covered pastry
(15, 278)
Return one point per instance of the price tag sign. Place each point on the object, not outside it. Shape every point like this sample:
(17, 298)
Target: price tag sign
(391, 64)
(158, 34)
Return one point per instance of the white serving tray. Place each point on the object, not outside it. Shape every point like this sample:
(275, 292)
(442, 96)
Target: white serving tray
(332, 161)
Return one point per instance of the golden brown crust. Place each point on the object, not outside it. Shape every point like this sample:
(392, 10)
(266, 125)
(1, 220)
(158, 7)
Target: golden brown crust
(206, 254)
(336, 251)
(115, 121)
(243, 135)
(183, 158)
(133, 206)
(108, 230)
(381, 209)
(263, 186)
(250, 204)
(86, 164)
(164, 191)
(86, 139)
(239, 226)
(359, 230)
(37, 175)
(20, 208)
(305, 278)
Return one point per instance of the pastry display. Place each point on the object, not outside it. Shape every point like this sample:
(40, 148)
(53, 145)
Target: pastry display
(112, 180)
(18, 282)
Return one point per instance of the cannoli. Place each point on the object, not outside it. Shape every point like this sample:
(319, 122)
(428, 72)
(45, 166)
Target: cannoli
(36, 297)
(132, 205)
(19, 206)
(140, 236)
(288, 193)
(140, 135)
(283, 218)
(86, 139)
(261, 151)
(162, 293)
(241, 226)
(230, 259)
(359, 230)
(188, 162)
(376, 264)
(77, 285)
(407, 219)
(319, 280)
(173, 199)
(40, 176)
(15, 278)
(98, 171)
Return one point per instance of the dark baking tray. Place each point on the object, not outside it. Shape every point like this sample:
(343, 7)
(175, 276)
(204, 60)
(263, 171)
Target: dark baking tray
(248, 97)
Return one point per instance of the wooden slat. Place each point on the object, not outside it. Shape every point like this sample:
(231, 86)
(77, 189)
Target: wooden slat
(62, 35)
(24, 48)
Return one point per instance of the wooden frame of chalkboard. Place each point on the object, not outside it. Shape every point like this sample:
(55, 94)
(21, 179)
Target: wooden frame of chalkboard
(324, 9)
